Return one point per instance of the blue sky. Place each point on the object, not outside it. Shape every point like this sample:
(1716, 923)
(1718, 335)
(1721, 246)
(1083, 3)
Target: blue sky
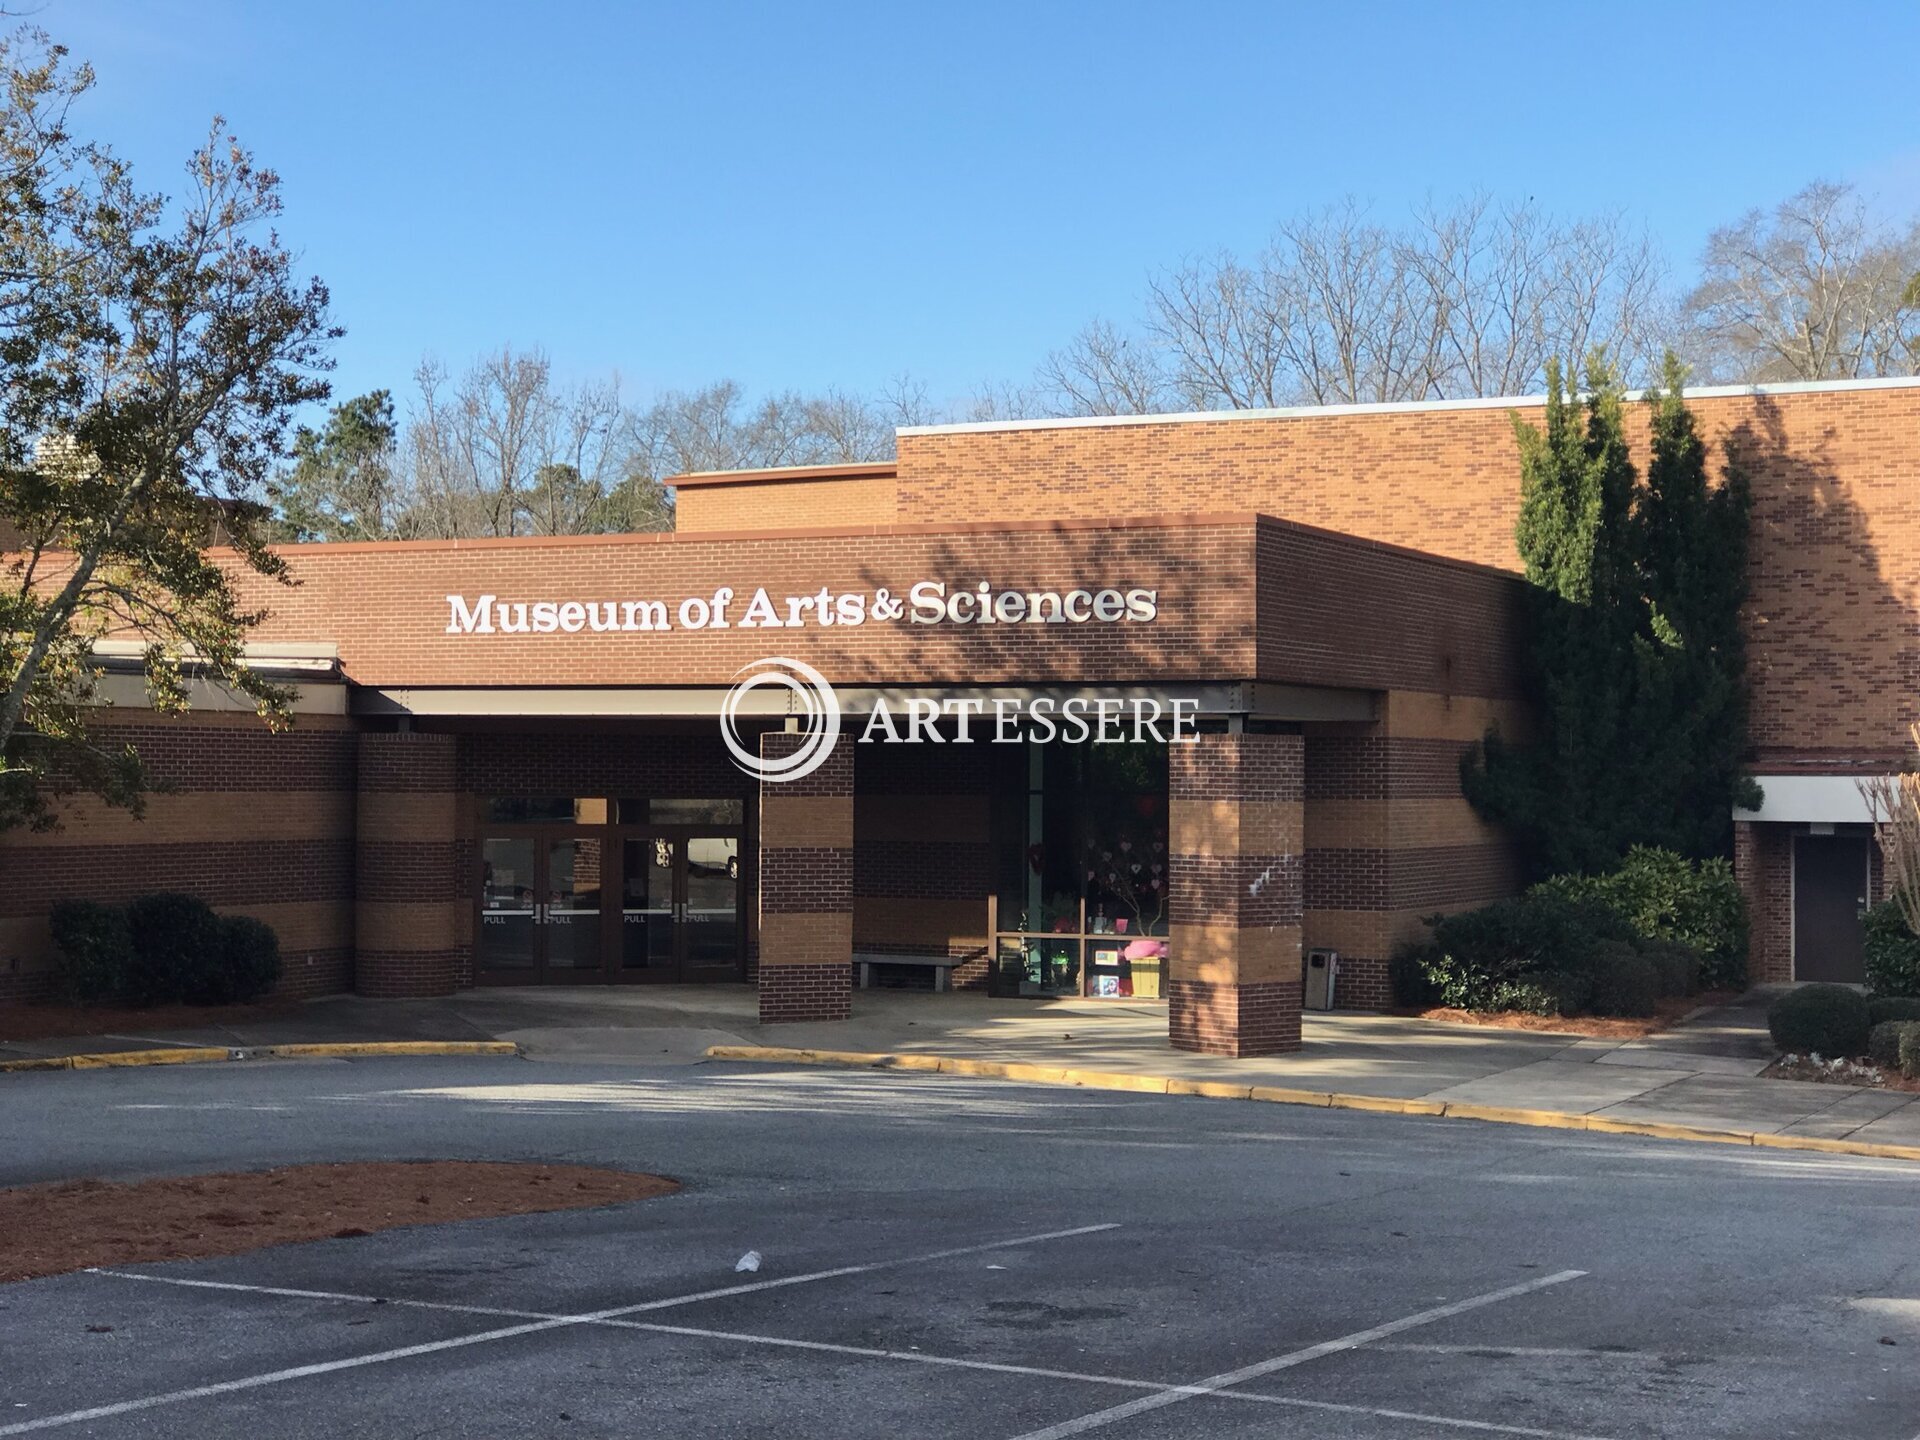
(804, 195)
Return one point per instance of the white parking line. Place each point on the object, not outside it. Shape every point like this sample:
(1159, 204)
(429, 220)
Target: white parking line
(920, 1357)
(300, 1372)
(1080, 1424)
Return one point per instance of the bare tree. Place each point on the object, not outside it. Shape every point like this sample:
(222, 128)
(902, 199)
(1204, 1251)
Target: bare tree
(1815, 290)
(1470, 299)
(1104, 372)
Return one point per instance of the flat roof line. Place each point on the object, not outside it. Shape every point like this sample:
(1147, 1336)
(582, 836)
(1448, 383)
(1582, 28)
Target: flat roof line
(1391, 407)
(861, 470)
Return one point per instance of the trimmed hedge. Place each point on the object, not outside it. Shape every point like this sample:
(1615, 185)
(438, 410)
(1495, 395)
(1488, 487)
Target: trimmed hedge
(1477, 954)
(1884, 1040)
(1831, 1021)
(1624, 981)
(176, 950)
(1910, 1052)
(162, 949)
(1676, 966)
(1882, 1008)
(1893, 952)
(1611, 944)
(1665, 896)
(95, 951)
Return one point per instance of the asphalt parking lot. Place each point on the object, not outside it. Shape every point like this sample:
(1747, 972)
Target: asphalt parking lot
(944, 1257)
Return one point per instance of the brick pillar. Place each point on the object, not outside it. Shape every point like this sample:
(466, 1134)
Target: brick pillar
(806, 888)
(1235, 822)
(1763, 864)
(1344, 885)
(408, 895)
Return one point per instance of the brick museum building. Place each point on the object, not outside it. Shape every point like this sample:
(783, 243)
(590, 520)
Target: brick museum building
(509, 763)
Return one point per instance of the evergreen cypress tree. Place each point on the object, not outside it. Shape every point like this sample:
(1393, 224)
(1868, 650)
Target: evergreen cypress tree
(1637, 660)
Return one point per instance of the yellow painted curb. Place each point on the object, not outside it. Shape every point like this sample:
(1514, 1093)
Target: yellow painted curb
(206, 1054)
(358, 1049)
(1509, 1115)
(1389, 1105)
(1319, 1099)
(122, 1059)
(1281, 1095)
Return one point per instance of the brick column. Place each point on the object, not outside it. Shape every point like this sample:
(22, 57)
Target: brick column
(806, 888)
(1763, 864)
(1235, 821)
(408, 891)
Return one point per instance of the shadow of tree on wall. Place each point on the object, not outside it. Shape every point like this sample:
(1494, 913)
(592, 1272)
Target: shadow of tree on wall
(1834, 638)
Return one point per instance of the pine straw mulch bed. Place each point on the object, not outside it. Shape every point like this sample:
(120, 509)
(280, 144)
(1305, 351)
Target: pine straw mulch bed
(74, 1224)
(56, 1022)
(1844, 1072)
(1665, 1013)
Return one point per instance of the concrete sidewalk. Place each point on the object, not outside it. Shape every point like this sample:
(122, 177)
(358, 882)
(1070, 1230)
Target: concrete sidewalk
(1702, 1072)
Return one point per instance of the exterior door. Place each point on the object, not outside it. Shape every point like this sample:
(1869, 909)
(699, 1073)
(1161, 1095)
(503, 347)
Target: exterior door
(540, 907)
(1829, 897)
(680, 916)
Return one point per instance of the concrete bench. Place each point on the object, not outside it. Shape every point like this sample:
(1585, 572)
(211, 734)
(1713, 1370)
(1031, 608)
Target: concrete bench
(941, 965)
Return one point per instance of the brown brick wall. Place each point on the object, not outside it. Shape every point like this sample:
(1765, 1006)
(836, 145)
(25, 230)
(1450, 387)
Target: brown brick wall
(865, 500)
(1237, 599)
(1763, 859)
(411, 895)
(251, 822)
(1234, 877)
(1836, 474)
(806, 889)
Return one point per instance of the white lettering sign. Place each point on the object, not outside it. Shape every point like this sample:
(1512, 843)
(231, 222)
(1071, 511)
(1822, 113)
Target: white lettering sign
(927, 602)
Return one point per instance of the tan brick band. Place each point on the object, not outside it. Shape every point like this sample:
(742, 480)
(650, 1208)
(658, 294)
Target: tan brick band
(191, 817)
(398, 927)
(796, 938)
(1234, 827)
(1400, 823)
(1234, 955)
(806, 821)
(401, 815)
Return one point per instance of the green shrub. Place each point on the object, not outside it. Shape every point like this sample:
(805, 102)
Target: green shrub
(1545, 992)
(1910, 1052)
(1892, 1007)
(1826, 1020)
(1624, 981)
(1675, 966)
(1408, 973)
(95, 951)
(1883, 1041)
(249, 958)
(176, 951)
(1893, 952)
(1475, 952)
(1665, 896)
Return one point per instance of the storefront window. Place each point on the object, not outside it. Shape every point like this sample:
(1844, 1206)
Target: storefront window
(1083, 886)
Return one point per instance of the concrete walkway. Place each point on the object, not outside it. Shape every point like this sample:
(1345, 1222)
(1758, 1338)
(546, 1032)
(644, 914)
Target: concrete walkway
(1701, 1072)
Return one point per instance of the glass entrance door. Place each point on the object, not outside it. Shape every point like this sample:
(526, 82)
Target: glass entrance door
(710, 904)
(540, 907)
(680, 907)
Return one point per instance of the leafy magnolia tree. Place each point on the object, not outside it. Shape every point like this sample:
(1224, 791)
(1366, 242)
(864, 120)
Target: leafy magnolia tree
(154, 353)
(1634, 639)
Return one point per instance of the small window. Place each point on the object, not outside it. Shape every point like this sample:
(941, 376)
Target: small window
(531, 809)
(683, 812)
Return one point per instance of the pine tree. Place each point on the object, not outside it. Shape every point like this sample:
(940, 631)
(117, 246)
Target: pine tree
(1636, 657)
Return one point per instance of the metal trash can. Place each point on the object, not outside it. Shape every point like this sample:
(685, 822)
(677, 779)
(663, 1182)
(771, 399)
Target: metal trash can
(1323, 969)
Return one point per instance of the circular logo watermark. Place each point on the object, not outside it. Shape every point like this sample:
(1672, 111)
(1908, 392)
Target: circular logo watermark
(814, 704)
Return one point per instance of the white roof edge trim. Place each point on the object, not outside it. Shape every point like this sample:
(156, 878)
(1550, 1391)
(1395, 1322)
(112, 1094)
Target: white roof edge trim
(1391, 407)
(1799, 799)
